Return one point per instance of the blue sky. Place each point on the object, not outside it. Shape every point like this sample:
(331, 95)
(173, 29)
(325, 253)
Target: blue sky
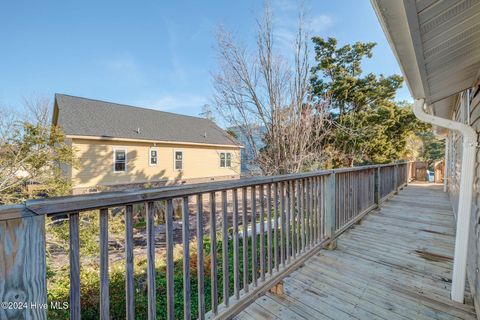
(157, 54)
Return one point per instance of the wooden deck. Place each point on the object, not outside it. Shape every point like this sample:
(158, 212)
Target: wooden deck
(396, 264)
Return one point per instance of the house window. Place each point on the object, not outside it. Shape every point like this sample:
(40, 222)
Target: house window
(153, 157)
(120, 160)
(225, 159)
(178, 160)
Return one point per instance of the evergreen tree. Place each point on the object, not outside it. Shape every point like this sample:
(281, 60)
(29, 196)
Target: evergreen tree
(368, 125)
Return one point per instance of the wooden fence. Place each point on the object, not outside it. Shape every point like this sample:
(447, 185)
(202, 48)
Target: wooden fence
(282, 219)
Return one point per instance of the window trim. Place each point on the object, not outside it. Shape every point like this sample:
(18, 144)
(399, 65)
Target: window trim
(124, 149)
(225, 155)
(150, 156)
(175, 159)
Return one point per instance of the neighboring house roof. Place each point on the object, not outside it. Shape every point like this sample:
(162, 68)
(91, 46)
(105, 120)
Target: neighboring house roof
(78, 116)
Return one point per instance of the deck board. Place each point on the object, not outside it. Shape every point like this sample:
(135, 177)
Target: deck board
(396, 264)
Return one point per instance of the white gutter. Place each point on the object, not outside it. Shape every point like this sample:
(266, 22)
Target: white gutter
(465, 196)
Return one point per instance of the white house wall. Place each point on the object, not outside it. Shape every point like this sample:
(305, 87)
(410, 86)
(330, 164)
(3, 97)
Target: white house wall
(455, 156)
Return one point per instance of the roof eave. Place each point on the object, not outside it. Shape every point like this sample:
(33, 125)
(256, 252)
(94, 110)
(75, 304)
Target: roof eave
(406, 44)
(97, 138)
(393, 15)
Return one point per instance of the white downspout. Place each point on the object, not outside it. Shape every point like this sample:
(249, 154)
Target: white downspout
(465, 196)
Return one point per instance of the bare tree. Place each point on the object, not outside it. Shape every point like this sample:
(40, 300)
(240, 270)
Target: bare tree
(207, 113)
(266, 98)
(37, 110)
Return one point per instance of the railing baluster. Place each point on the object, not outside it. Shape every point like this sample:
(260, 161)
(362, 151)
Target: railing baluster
(339, 190)
(354, 191)
(362, 189)
(313, 213)
(371, 194)
(269, 227)
(298, 214)
(355, 194)
(253, 202)
(347, 201)
(383, 181)
(170, 244)
(305, 213)
(151, 260)
(129, 280)
(302, 214)
(319, 208)
(104, 293)
(245, 239)
(186, 258)
(275, 225)
(376, 188)
(282, 223)
(310, 214)
(371, 187)
(344, 200)
(395, 178)
(308, 211)
(350, 197)
(315, 210)
(74, 266)
(200, 262)
(262, 233)
(293, 217)
(288, 190)
(213, 253)
(366, 188)
(225, 249)
(236, 260)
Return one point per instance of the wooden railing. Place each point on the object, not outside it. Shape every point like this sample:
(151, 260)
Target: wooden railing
(270, 225)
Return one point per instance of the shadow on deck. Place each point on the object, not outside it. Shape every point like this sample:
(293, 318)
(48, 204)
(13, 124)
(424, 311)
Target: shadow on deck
(396, 264)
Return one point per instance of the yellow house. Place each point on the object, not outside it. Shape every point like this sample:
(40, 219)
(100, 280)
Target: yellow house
(120, 147)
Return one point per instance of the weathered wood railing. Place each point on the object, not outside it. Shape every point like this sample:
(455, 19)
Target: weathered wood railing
(282, 220)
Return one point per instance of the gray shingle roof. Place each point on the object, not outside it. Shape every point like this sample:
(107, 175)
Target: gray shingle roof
(87, 117)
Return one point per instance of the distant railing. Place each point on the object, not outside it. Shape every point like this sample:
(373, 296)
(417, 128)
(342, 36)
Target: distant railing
(270, 225)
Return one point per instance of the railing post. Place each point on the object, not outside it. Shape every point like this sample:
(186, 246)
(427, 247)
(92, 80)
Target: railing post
(395, 178)
(330, 209)
(23, 271)
(377, 195)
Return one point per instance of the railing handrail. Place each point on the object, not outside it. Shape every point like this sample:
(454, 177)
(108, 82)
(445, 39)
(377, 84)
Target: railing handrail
(76, 203)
